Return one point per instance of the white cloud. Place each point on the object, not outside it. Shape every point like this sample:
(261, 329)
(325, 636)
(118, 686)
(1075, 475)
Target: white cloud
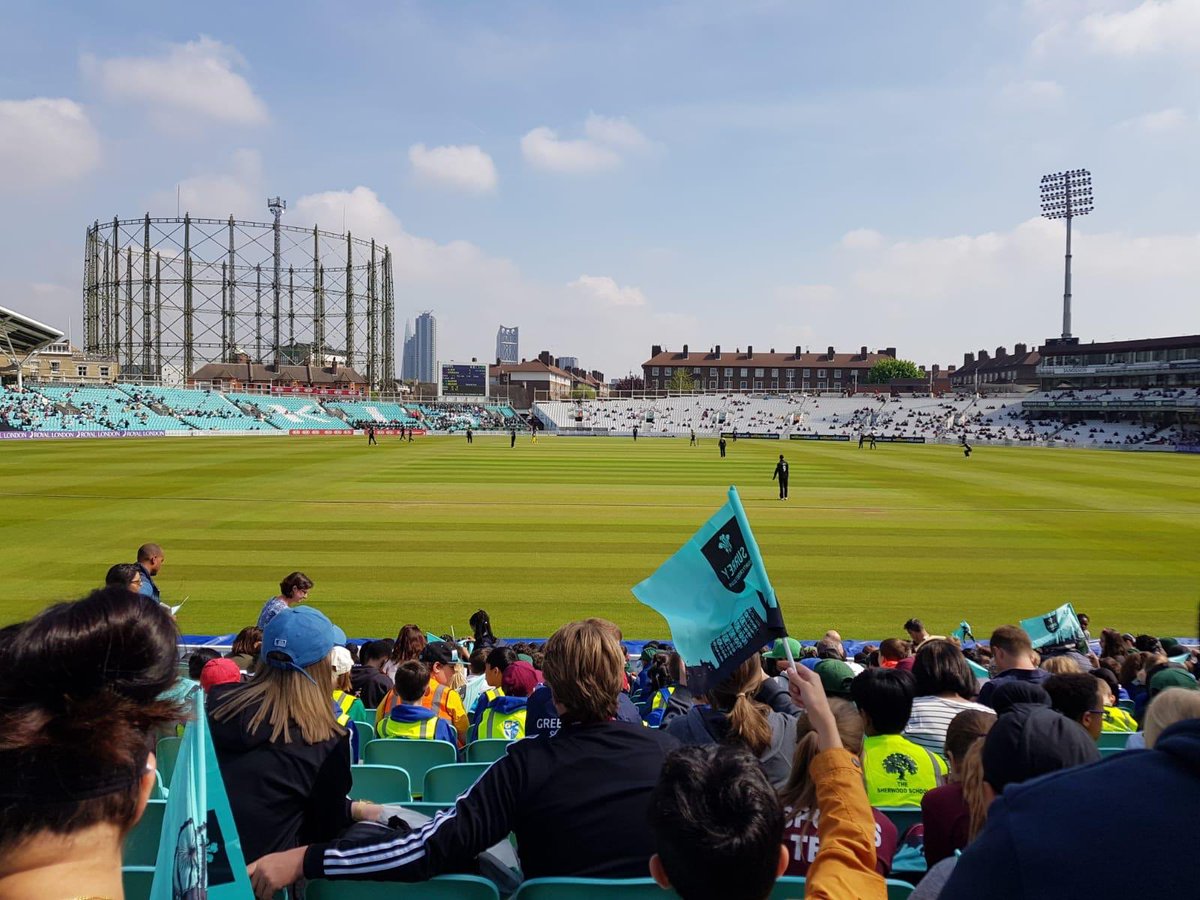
(465, 168)
(1158, 122)
(1032, 93)
(607, 291)
(237, 192)
(861, 239)
(805, 294)
(606, 143)
(1153, 26)
(45, 141)
(184, 87)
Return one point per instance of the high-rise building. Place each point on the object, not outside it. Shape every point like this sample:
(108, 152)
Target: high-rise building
(408, 355)
(507, 350)
(425, 347)
(567, 362)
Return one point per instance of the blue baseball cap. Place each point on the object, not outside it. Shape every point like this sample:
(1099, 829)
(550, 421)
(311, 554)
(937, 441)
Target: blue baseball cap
(303, 634)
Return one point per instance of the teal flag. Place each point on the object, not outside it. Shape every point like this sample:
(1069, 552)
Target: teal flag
(1059, 626)
(199, 852)
(716, 597)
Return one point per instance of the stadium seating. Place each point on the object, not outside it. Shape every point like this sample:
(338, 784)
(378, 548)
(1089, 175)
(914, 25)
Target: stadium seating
(366, 734)
(1113, 739)
(380, 784)
(199, 409)
(287, 412)
(414, 757)
(379, 413)
(903, 817)
(444, 887)
(137, 881)
(589, 889)
(444, 784)
(141, 846)
(486, 750)
(166, 751)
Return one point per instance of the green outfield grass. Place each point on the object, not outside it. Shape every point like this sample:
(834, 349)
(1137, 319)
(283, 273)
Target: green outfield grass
(427, 532)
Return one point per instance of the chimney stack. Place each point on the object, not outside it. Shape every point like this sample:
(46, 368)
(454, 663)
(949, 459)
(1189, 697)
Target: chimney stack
(1020, 349)
(863, 352)
(890, 351)
(749, 350)
(1000, 353)
(685, 351)
(829, 352)
(968, 358)
(717, 351)
(797, 351)
(655, 349)
(983, 356)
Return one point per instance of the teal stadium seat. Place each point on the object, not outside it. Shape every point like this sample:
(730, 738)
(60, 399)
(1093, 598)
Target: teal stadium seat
(444, 784)
(589, 889)
(366, 734)
(141, 846)
(444, 887)
(166, 752)
(1128, 705)
(487, 750)
(137, 881)
(1106, 752)
(903, 817)
(415, 757)
(792, 888)
(1113, 739)
(380, 784)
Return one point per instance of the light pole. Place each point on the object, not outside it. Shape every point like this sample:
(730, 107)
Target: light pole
(1064, 196)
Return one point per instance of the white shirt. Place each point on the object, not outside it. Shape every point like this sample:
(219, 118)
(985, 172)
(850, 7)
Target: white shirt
(930, 718)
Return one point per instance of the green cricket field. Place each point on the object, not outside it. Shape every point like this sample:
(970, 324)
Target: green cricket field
(543, 533)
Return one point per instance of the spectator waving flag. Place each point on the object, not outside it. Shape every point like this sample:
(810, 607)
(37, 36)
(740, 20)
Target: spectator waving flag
(199, 851)
(1059, 626)
(716, 597)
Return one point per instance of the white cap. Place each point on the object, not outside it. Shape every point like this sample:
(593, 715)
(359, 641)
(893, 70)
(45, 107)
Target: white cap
(341, 660)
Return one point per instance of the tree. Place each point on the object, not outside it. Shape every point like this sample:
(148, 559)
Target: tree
(892, 370)
(900, 765)
(583, 392)
(681, 382)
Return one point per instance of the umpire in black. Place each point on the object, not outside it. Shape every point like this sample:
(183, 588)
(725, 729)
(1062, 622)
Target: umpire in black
(781, 475)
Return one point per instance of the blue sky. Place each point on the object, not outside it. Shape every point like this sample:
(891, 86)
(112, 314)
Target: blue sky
(612, 175)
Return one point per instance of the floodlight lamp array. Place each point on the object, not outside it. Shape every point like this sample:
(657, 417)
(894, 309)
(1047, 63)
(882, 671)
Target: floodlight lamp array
(1067, 194)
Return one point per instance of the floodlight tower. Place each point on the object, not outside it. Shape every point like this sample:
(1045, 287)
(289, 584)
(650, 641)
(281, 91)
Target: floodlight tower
(276, 206)
(1064, 196)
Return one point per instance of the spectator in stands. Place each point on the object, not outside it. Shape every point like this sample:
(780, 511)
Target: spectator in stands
(1172, 705)
(1080, 697)
(945, 687)
(799, 794)
(917, 634)
(1112, 645)
(439, 656)
(407, 717)
(892, 650)
(219, 671)
(366, 679)
(499, 659)
(476, 678)
(735, 717)
(1115, 718)
(945, 812)
(897, 771)
(81, 688)
(504, 716)
(293, 590)
(718, 827)
(149, 560)
(669, 696)
(1012, 660)
(836, 677)
(1024, 820)
(344, 700)
(246, 647)
(481, 625)
(284, 759)
(577, 804)
(409, 643)
(126, 575)
(197, 659)
(1060, 665)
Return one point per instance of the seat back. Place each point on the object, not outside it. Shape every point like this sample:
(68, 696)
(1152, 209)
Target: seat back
(791, 887)
(443, 784)
(443, 887)
(366, 734)
(1113, 739)
(141, 845)
(589, 889)
(1106, 752)
(414, 757)
(487, 750)
(903, 817)
(1128, 705)
(380, 784)
(166, 752)
(137, 881)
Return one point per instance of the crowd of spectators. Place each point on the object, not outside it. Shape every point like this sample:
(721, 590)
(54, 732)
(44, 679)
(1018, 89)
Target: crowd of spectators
(795, 763)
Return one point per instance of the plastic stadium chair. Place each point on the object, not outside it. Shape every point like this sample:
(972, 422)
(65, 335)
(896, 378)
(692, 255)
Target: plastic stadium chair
(589, 889)
(166, 752)
(414, 757)
(1113, 739)
(903, 817)
(1128, 705)
(443, 784)
(444, 887)
(366, 734)
(159, 791)
(487, 750)
(791, 887)
(1106, 752)
(380, 784)
(137, 881)
(141, 847)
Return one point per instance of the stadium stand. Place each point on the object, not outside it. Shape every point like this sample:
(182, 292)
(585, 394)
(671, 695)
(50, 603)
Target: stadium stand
(286, 412)
(200, 409)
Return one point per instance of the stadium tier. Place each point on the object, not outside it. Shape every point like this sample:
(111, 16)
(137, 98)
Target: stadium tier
(197, 409)
(288, 413)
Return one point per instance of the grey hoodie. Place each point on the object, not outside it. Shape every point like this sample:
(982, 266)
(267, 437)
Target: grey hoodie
(705, 725)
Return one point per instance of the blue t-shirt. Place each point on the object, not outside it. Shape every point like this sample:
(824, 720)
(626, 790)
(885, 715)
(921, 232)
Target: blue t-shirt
(270, 610)
(541, 716)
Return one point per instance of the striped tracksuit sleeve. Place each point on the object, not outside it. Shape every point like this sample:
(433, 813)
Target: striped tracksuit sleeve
(452, 839)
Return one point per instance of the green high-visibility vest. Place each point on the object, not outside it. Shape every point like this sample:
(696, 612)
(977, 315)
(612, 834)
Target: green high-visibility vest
(495, 724)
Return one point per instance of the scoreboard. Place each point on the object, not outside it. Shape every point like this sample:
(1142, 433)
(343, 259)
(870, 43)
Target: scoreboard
(463, 380)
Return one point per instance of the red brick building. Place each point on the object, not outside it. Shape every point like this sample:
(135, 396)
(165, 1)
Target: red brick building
(749, 371)
(1005, 370)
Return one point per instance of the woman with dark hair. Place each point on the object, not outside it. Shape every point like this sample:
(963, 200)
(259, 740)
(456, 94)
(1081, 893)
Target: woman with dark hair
(1112, 644)
(284, 758)
(246, 647)
(409, 643)
(670, 696)
(293, 591)
(481, 625)
(126, 575)
(80, 708)
(945, 687)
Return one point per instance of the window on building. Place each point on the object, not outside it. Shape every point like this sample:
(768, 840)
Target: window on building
(712, 384)
(696, 371)
(837, 374)
(81, 371)
(744, 372)
(775, 384)
(758, 373)
(104, 371)
(807, 372)
(729, 373)
(654, 371)
(820, 373)
(666, 371)
(821, 385)
(55, 366)
(757, 385)
(774, 373)
(743, 383)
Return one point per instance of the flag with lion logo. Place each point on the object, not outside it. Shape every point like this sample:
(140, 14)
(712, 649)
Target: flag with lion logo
(716, 597)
